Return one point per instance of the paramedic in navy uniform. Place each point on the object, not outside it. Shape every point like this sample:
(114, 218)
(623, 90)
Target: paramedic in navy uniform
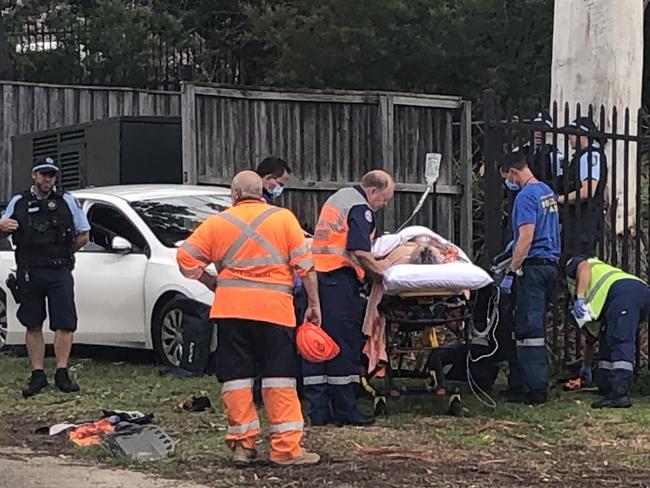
(47, 228)
(533, 271)
(274, 173)
(342, 249)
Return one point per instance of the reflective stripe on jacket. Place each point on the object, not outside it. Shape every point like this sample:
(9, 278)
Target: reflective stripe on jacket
(331, 234)
(603, 276)
(256, 248)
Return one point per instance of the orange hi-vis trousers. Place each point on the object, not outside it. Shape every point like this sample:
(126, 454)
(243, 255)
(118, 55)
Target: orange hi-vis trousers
(282, 409)
(249, 349)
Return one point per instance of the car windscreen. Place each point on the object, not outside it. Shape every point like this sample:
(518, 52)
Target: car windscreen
(173, 219)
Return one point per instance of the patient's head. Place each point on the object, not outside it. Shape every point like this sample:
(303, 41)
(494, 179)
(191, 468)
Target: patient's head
(425, 254)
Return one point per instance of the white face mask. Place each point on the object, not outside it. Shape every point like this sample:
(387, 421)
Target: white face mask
(511, 185)
(277, 191)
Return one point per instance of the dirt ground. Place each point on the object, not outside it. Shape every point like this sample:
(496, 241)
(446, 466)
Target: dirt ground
(434, 463)
(26, 468)
(561, 444)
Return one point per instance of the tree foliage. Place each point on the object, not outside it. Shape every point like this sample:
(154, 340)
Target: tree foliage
(457, 47)
(111, 41)
(450, 47)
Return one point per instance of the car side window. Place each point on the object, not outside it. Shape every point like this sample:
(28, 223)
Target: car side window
(107, 222)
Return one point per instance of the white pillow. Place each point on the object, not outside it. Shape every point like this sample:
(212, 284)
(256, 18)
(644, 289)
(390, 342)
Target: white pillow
(451, 276)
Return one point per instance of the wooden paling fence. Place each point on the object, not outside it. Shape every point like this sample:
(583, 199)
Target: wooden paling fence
(330, 139)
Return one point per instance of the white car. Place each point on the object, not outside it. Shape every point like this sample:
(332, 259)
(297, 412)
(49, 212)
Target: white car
(126, 278)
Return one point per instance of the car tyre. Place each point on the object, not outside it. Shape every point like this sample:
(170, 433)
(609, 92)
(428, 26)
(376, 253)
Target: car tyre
(167, 333)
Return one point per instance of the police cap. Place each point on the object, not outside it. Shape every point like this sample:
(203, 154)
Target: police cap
(44, 165)
(542, 120)
(583, 124)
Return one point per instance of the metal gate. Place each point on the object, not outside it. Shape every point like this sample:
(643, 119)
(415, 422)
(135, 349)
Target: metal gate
(623, 239)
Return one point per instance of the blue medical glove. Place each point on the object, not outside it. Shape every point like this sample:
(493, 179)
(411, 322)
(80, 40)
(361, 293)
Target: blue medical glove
(506, 285)
(585, 374)
(297, 282)
(509, 246)
(579, 309)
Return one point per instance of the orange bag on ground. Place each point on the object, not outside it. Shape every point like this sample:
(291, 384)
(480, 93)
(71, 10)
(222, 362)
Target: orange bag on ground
(89, 434)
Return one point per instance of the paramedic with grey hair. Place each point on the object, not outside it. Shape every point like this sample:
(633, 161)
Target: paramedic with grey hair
(343, 257)
(532, 273)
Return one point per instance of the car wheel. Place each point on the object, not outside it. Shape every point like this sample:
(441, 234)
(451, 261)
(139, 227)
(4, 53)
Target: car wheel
(4, 325)
(167, 333)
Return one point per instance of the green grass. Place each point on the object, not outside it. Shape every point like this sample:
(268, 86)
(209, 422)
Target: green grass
(539, 436)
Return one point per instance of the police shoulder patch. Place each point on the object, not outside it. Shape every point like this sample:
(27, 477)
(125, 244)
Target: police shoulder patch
(592, 158)
(368, 216)
(595, 159)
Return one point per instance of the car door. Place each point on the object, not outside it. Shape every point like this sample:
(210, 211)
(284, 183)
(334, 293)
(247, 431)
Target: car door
(109, 284)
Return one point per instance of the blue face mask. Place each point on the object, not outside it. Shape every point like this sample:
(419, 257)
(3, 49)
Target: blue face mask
(277, 191)
(511, 185)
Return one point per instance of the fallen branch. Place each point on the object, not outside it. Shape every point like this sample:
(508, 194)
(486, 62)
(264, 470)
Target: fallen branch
(426, 456)
(493, 461)
(496, 424)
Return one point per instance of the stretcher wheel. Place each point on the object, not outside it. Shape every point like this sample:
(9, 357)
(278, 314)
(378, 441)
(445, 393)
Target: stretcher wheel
(379, 407)
(455, 405)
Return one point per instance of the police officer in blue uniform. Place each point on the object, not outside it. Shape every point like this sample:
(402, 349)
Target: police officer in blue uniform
(274, 173)
(586, 179)
(532, 272)
(547, 160)
(47, 227)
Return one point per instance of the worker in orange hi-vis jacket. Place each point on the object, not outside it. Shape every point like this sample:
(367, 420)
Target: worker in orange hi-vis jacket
(256, 248)
(342, 249)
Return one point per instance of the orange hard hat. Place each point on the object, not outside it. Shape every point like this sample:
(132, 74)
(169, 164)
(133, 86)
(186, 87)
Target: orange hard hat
(314, 344)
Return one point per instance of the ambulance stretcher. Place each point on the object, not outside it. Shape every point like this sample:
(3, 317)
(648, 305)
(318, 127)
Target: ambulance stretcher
(419, 301)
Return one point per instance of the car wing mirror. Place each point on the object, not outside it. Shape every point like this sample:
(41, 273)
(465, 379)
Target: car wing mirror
(121, 245)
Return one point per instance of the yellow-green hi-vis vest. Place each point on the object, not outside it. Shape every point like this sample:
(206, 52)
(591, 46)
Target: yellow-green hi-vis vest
(603, 276)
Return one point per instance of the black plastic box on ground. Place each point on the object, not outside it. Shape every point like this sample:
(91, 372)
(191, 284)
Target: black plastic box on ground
(113, 151)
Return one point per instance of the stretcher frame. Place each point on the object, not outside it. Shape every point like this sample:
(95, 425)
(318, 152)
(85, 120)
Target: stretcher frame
(406, 327)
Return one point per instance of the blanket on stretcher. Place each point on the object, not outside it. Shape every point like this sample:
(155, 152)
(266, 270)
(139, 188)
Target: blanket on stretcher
(418, 259)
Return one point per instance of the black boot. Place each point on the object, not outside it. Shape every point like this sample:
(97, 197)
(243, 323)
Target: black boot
(613, 400)
(63, 382)
(37, 382)
(536, 398)
(604, 389)
(513, 395)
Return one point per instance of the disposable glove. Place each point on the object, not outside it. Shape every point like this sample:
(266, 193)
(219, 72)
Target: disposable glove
(506, 285)
(579, 309)
(585, 374)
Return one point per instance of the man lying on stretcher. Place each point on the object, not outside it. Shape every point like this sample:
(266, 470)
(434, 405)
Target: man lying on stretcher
(423, 250)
